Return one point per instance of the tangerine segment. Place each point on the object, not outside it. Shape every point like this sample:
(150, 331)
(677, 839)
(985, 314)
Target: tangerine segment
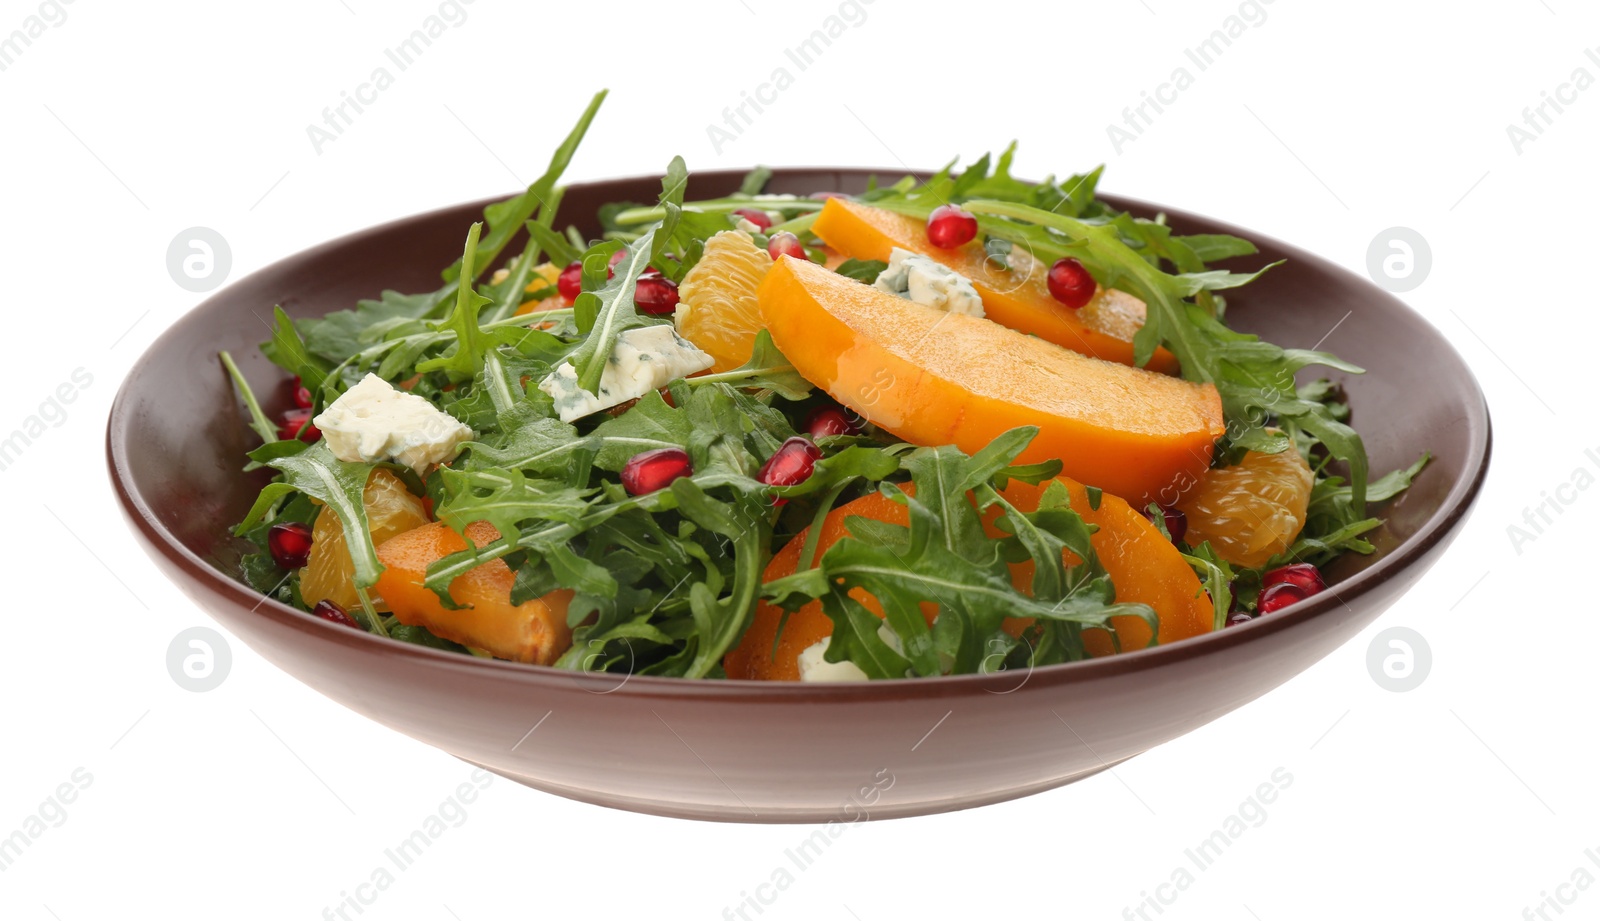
(1252, 511)
(934, 378)
(545, 275)
(1143, 565)
(534, 631)
(1017, 296)
(329, 575)
(717, 300)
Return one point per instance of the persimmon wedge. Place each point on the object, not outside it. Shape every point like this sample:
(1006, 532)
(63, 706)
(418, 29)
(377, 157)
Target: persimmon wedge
(534, 631)
(1144, 566)
(934, 378)
(1016, 296)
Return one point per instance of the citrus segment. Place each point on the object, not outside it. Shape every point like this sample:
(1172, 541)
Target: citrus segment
(1252, 511)
(717, 300)
(328, 574)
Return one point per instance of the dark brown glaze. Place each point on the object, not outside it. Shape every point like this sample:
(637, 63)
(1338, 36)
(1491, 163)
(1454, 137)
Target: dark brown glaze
(747, 751)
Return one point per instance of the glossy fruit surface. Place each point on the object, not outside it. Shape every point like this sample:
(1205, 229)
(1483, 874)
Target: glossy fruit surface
(654, 294)
(289, 543)
(652, 470)
(1252, 511)
(1070, 283)
(950, 227)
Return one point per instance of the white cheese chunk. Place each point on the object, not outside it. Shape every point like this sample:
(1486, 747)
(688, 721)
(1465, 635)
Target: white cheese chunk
(644, 358)
(373, 422)
(813, 668)
(920, 279)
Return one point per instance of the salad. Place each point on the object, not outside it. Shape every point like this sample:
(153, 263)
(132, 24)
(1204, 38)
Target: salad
(949, 425)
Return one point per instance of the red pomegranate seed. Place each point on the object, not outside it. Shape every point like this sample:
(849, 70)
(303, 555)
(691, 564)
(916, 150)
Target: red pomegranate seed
(327, 610)
(1302, 575)
(949, 227)
(761, 219)
(785, 244)
(616, 257)
(297, 424)
(302, 394)
(1176, 521)
(791, 464)
(655, 294)
(830, 420)
(1278, 596)
(1237, 618)
(570, 284)
(653, 470)
(290, 544)
(1070, 283)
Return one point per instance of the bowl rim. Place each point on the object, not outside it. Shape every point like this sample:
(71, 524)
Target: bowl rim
(1455, 507)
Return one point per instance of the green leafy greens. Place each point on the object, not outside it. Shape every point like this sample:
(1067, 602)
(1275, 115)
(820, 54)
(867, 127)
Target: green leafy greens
(669, 580)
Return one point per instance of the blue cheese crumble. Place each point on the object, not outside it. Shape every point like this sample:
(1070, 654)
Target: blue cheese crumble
(644, 358)
(373, 422)
(924, 281)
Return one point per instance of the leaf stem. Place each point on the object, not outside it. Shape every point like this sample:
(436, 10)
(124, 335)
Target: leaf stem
(258, 419)
(654, 213)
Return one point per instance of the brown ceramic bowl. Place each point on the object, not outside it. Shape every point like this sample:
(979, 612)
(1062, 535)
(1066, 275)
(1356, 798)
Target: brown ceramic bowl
(748, 751)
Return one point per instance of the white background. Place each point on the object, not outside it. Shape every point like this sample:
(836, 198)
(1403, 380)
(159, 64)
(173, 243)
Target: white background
(1326, 123)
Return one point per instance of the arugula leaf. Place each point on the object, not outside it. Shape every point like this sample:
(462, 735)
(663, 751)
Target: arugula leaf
(540, 445)
(945, 558)
(866, 270)
(610, 311)
(721, 620)
(288, 351)
(462, 362)
(507, 217)
(507, 499)
(649, 425)
(1215, 575)
(258, 419)
(754, 181)
(340, 486)
(767, 369)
